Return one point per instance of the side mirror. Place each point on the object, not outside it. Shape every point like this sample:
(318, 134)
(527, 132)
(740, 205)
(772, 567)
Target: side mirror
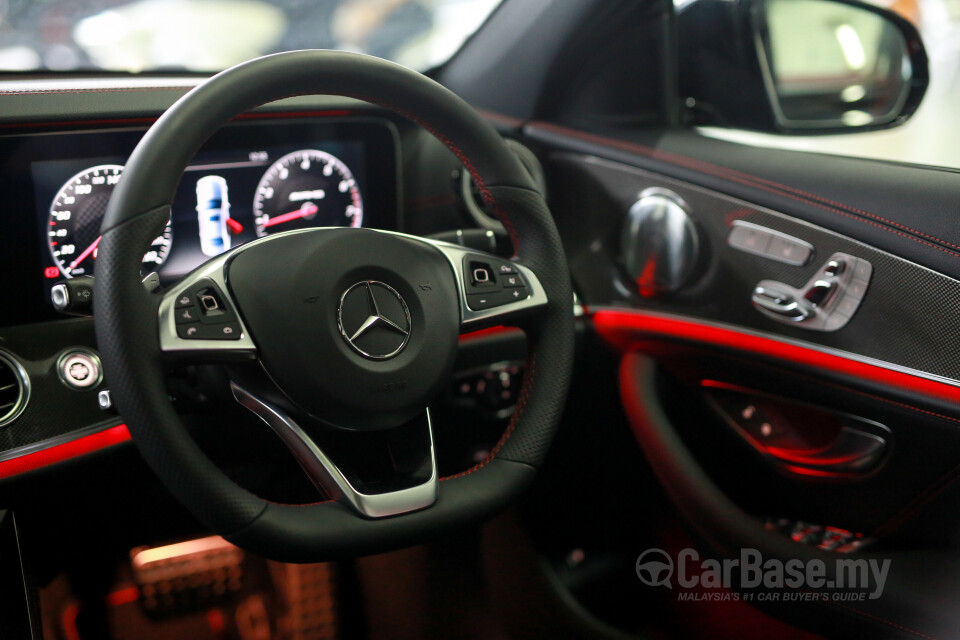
(798, 66)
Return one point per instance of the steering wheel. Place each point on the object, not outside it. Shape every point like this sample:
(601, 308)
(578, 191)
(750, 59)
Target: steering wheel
(351, 332)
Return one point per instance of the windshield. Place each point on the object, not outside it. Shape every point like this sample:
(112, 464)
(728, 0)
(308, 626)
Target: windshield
(210, 35)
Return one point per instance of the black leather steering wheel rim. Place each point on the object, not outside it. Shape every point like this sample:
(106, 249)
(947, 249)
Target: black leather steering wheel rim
(126, 314)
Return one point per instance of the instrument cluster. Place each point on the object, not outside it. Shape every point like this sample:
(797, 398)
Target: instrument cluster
(218, 205)
(250, 180)
(304, 188)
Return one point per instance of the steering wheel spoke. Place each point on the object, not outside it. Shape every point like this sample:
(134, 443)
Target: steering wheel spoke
(414, 486)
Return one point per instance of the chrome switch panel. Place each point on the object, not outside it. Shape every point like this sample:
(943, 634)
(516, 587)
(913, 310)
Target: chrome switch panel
(761, 241)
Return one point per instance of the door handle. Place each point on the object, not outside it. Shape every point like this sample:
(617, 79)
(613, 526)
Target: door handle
(853, 450)
(797, 438)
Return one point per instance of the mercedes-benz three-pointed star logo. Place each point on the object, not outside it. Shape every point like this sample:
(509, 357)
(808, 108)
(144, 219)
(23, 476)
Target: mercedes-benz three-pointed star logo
(376, 320)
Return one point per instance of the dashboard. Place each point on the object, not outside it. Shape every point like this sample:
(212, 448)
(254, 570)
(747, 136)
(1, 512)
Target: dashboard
(249, 180)
(307, 162)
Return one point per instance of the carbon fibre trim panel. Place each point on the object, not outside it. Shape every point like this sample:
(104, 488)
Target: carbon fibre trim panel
(904, 319)
(54, 409)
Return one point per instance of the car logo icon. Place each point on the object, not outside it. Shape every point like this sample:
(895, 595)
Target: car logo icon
(374, 320)
(655, 568)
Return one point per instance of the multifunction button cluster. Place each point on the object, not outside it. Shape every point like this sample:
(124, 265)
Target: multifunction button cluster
(490, 282)
(202, 313)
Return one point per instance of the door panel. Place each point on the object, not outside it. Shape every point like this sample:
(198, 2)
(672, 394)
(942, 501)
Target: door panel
(918, 599)
(907, 210)
(898, 293)
(892, 362)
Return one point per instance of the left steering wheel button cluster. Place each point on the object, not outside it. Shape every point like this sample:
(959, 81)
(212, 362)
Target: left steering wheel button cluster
(490, 282)
(202, 313)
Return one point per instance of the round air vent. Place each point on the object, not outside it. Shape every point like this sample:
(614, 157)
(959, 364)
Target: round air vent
(14, 389)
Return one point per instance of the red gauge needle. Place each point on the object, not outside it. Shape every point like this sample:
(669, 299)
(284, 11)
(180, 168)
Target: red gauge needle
(306, 210)
(86, 252)
(235, 227)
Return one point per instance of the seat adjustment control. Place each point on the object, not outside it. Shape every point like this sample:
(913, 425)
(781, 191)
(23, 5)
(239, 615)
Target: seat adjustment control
(819, 292)
(782, 303)
(826, 303)
(834, 268)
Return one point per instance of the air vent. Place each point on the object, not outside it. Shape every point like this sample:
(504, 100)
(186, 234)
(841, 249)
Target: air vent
(14, 389)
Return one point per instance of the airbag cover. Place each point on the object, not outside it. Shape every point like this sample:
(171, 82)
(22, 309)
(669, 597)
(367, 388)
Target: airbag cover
(357, 327)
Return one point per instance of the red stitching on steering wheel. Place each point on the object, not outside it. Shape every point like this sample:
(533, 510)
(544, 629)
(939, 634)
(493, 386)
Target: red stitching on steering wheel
(468, 165)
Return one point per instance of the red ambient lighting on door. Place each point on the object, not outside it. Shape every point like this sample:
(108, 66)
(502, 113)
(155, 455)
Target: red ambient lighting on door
(624, 329)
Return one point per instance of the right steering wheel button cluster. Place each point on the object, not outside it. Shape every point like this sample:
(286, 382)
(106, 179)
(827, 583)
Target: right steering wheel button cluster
(490, 282)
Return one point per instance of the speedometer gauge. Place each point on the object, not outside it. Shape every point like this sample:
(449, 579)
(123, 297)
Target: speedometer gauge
(307, 188)
(75, 217)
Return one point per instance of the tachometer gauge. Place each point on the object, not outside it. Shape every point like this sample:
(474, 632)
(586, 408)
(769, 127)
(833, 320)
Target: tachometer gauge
(75, 217)
(307, 188)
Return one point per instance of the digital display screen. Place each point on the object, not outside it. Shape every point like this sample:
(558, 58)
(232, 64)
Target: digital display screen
(248, 181)
(225, 199)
